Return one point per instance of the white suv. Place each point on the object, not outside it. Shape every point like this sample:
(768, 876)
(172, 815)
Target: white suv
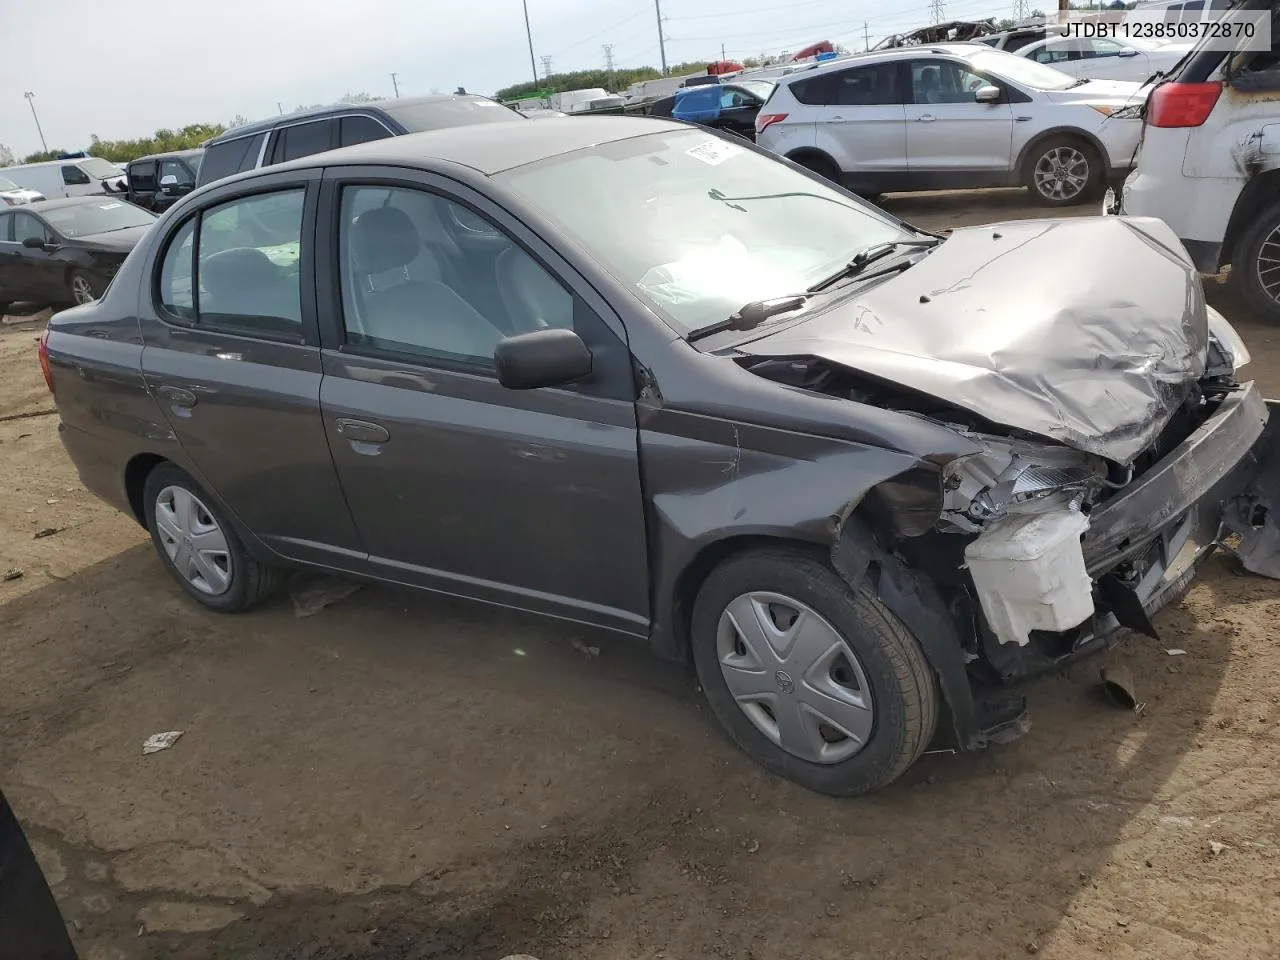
(954, 116)
(1209, 164)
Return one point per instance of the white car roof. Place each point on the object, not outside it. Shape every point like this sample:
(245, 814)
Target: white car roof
(894, 53)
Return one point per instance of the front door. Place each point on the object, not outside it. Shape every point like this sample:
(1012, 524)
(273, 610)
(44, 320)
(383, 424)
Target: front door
(530, 498)
(234, 364)
(948, 132)
(34, 272)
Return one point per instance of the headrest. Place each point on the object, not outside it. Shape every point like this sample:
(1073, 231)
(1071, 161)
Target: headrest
(238, 268)
(384, 239)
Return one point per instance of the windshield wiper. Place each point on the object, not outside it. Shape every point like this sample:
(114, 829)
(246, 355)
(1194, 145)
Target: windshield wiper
(1079, 83)
(863, 258)
(751, 315)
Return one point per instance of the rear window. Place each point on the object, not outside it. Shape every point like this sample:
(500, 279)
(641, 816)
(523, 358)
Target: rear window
(230, 156)
(454, 112)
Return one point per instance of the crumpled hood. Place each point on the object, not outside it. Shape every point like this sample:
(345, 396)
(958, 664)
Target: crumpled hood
(1086, 331)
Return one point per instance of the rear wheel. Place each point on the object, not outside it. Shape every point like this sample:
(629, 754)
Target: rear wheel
(1255, 268)
(1063, 171)
(199, 548)
(813, 680)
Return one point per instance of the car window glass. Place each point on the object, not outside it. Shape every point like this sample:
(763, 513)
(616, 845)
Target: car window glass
(175, 273)
(142, 175)
(25, 225)
(6, 227)
(73, 175)
(1105, 48)
(424, 275)
(247, 264)
(174, 168)
(303, 140)
(867, 86)
(361, 130)
(1052, 53)
(230, 156)
(942, 81)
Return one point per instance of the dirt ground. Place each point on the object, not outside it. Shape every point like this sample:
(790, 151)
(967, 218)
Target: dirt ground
(402, 776)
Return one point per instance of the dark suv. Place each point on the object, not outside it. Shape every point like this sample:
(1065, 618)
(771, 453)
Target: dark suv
(150, 186)
(341, 125)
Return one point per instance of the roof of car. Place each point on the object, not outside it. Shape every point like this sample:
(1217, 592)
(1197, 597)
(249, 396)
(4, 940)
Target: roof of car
(491, 147)
(41, 205)
(965, 49)
(194, 151)
(379, 106)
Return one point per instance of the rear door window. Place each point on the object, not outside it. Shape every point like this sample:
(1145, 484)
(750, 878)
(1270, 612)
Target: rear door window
(304, 139)
(230, 157)
(361, 130)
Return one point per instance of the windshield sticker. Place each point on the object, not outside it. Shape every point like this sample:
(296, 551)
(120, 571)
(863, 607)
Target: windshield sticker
(714, 152)
(110, 206)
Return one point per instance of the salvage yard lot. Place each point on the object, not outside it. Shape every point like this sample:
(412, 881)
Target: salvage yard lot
(403, 776)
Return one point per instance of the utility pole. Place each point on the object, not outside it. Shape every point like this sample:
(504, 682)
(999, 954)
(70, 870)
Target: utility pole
(662, 41)
(938, 10)
(395, 85)
(528, 32)
(722, 56)
(31, 99)
(866, 36)
(280, 107)
(546, 68)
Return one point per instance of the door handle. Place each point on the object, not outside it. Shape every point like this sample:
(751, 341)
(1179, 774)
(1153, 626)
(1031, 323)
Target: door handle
(177, 396)
(925, 118)
(1021, 119)
(361, 431)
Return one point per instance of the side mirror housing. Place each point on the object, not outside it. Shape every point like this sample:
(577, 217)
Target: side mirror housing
(1127, 52)
(987, 94)
(34, 243)
(541, 358)
(169, 183)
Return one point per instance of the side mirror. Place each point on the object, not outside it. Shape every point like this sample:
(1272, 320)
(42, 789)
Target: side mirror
(34, 243)
(987, 94)
(168, 182)
(1127, 52)
(542, 358)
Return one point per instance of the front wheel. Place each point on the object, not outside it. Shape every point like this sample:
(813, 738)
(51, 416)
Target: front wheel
(1063, 171)
(1255, 267)
(815, 681)
(82, 288)
(199, 548)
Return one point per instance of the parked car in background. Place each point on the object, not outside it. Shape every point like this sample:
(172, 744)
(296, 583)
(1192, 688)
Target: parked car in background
(12, 195)
(730, 106)
(952, 117)
(1011, 41)
(66, 251)
(1209, 165)
(307, 132)
(852, 471)
(157, 181)
(1106, 58)
(79, 177)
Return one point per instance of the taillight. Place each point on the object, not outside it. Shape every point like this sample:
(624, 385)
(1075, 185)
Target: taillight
(766, 120)
(1182, 104)
(44, 359)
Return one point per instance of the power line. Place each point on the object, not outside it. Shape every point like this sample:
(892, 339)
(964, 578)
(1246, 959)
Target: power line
(739, 13)
(600, 33)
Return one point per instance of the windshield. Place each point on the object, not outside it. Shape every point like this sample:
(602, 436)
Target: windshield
(761, 88)
(455, 112)
(6, 184)
(99, 216)
(1020, 70)
(98, 168)
(698, 226)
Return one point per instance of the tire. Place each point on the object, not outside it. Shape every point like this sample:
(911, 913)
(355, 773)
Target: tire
(819, 165)
(4, 308)
(1247, 263)
(888, 671)
(82, 288)
(1078, 159)
(247, 582)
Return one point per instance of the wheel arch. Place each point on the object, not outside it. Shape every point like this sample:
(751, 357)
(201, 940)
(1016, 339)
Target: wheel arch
(1028, 150)
(136, 472)
(1262, 189)
(800, 154)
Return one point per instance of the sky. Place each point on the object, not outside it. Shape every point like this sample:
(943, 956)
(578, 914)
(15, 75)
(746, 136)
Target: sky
(124, 70)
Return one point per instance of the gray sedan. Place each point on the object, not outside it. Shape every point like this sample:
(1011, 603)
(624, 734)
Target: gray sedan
(648, 378)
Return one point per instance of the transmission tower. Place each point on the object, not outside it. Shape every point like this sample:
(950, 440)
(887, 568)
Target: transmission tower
(1021, 11)
(546, 67)
(608, 56)
(937, 10)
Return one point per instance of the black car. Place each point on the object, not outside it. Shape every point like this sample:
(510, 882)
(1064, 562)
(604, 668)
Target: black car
(66, 251)
(156, 181)
(307, 132)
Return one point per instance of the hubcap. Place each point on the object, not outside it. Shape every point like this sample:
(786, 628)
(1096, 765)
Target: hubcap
(1268, 265)
(795, 677)
(1061, 173)
(193, 541)
(81, 290)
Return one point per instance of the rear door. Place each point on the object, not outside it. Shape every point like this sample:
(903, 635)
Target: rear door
(860, 114)
(948, 131)
(457, 483)
(232, 357)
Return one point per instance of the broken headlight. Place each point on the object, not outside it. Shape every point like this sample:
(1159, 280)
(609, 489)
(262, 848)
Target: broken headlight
(1226, 349)
(1011, 476)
